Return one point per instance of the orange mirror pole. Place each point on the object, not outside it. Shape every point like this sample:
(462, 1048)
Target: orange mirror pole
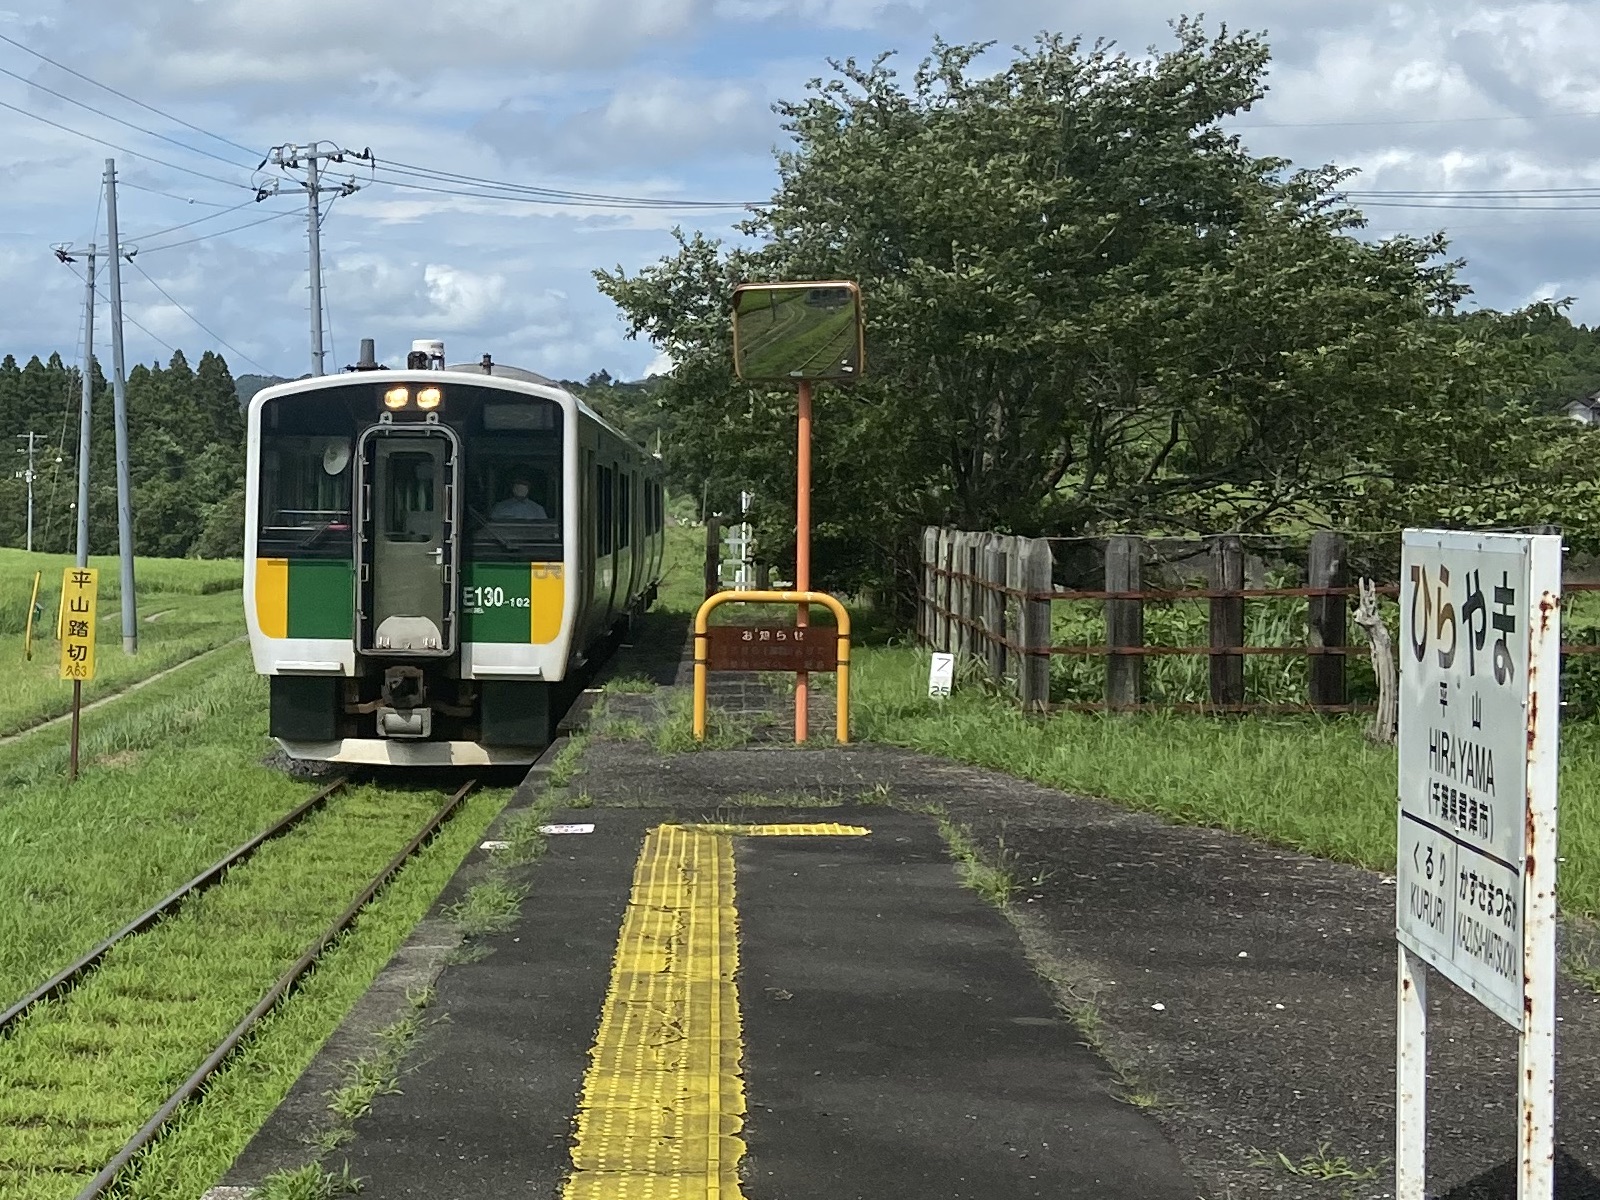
(802, 550)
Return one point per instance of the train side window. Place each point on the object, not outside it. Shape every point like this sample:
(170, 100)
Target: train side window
(624, 511)
(604, 511)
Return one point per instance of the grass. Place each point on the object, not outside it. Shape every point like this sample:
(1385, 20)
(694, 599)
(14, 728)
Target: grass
(673, 730)
(82, 1075)
(1311, 783)
(199, 610)
(151, 577)
(76, 862)
(1318, 1165)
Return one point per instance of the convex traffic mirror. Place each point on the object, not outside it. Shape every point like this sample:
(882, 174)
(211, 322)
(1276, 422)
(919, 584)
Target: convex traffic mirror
(797, 331)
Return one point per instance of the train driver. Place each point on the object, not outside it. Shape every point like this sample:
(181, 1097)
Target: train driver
(518, 506)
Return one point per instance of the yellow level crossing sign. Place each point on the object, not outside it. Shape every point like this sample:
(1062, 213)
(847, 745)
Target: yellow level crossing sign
(78, 588)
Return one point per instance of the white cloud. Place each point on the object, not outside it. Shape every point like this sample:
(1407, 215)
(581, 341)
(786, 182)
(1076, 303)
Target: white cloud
(672, 98)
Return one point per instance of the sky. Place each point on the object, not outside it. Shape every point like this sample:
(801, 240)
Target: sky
(669, 100)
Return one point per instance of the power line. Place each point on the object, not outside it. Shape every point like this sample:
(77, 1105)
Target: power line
(123, 95)
(197, 320)
(196, 221)
(100, 303)
(100, 112)
(170, 195)
(121, 149)
(1415, 121)
(618, 203)
(452, 177)
(218, 233)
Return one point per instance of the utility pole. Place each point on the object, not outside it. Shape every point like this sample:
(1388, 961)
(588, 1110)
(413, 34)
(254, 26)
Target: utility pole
(119, 400)
(31, 439)
(292, 157)
(86, 401)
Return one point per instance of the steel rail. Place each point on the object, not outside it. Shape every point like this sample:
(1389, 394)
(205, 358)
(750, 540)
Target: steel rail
(68, 978)
(151, 1128)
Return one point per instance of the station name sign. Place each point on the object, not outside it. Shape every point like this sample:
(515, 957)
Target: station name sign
(1475, 612)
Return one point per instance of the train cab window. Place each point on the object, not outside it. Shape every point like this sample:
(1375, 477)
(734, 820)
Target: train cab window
(411, 514)
(305, 497)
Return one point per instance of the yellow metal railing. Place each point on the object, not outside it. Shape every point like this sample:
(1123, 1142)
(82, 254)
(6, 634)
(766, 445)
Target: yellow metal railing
(702, 638)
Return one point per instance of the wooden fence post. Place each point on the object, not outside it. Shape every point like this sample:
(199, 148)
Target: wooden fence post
(946, 592)
(966, 604)
(994, 606)
(1033, 674)
(1326, 568)
(713, 555)
(930, 594)
(1124, 622)
(1227, 621)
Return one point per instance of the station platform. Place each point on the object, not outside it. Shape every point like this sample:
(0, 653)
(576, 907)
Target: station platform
(755, 972)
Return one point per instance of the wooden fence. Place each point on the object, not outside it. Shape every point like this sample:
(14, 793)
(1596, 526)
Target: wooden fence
(987, 597)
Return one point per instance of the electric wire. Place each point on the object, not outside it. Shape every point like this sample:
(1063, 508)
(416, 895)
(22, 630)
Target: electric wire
(557, 194)
(100, 112)
(214, 334)
(1381, 121)
(217, 233)
(188, 224)
(170, 195)
(101, 302)
(621, 203)
(123, 95)
(123, 149)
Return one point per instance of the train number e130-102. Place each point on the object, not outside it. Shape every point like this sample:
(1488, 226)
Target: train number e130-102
(479, 598)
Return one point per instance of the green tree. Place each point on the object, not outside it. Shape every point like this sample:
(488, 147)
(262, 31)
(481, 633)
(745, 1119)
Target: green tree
(1089, 308)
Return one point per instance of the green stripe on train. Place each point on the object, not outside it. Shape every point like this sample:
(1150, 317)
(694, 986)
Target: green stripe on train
(322, 599)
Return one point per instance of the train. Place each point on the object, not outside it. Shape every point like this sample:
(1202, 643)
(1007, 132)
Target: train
(434, 555)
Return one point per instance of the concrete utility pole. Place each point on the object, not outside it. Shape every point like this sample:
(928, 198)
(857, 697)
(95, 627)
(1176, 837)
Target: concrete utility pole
(85, 405)
(26, 474)
(119, 400)
(291, 157)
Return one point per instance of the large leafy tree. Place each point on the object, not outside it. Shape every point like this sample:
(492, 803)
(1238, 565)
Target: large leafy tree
(1090, 308)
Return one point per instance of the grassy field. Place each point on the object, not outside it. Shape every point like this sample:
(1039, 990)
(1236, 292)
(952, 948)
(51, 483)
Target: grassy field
(76, 862)
(185, 608)
(1311, 783)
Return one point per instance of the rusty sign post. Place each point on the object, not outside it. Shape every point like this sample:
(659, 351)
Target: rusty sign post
(1475, 878)
(799, 332)
(78, 588)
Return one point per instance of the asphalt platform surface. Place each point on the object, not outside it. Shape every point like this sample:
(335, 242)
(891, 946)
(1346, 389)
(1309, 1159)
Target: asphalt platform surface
(1162, 1012)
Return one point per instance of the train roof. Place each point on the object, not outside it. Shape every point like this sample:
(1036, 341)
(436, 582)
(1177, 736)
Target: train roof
(474, 372)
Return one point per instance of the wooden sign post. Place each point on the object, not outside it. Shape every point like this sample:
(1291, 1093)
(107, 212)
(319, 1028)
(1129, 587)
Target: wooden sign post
(78, 596)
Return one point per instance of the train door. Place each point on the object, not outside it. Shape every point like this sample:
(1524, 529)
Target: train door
(408, 552)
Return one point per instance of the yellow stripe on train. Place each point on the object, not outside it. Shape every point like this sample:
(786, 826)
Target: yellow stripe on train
(272, 596)
(546, 601)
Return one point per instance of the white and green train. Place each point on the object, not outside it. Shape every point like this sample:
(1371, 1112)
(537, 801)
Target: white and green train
(433, 554)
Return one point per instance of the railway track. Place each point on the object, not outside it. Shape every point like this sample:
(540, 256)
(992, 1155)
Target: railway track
(66, 981)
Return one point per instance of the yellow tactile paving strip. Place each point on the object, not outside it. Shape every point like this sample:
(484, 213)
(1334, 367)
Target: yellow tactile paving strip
(663, 1099)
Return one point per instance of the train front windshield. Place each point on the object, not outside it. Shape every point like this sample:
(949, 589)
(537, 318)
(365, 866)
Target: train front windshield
(511, 444)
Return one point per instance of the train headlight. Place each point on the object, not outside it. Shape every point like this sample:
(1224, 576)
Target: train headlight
(429, 397)
(397, 397)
